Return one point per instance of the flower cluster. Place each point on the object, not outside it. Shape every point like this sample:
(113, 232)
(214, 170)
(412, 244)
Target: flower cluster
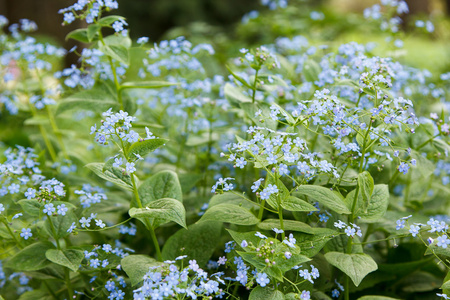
(280, 153)
(116, 125)
(435, 225)
(223, 185)
(350, 231)
(274, 4)
(88, 10)
(167, 280)
(89, 195)
(174, 54)
(19, 171)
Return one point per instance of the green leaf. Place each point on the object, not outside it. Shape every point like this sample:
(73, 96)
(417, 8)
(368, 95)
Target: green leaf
(434, 248)
(95, 100)
(424, 168)
(37, 120)
(289, 225)
(198, 242)
(288, 116)
(356, 266)
(163, 184)
(61, 223)
(445, 285)
(376, 298)
(69, 258)
(378, 204)
(201, 139)
(311, 70)
(287, 264)
(188, 181)
(259, 264)
(112, 175)
(325, 197)
(92, 31)
(365, 183)
(229, 213)
(31, 207)
(30, 258)
(234, 94)
(231, 198)
(347, 82)
(108, 20)
(118, 40)
(313, 242)
(441, 145)
(145, 124)
(239, 78)
(283, 192)
(53, 271)
(136, 266)
(266, 293)
(108, 165)
(34, 295)
(251, 108)
(80, 35)
(249, 236)
(403, 269)
(420, 281)
(162, 211)
(146, 85)
(144, 147)
(117, 52)
(292, 203)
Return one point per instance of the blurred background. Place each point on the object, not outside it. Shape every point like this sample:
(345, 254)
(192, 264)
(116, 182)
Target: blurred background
(221, 22)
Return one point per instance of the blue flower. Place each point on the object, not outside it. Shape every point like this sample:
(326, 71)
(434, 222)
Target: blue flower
(261, 279)
(49, 209)
(94, 263)
(241, 162)
(26, 233)
(30, 193)
(414, 230)
(443, 241)
(403, 168)
(62, 209)
(335, 293)
(130, 167)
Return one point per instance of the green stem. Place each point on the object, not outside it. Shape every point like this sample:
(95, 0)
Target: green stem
(368, 231)
(254, 86)
(50, 290)
(261, 210)
(183, 145)
(57, 132)
(107, 228)
(361, 163)
(355, 200)
(347, 284)
(68, 283)
(55, 236)
(113, 69)
(52, 119)
(394, 178)
(280, 214)
(66, 270)
(147, 223)
(295, 286)
(12, 234)
(427, 141)
(407, 188)
(47, 142)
